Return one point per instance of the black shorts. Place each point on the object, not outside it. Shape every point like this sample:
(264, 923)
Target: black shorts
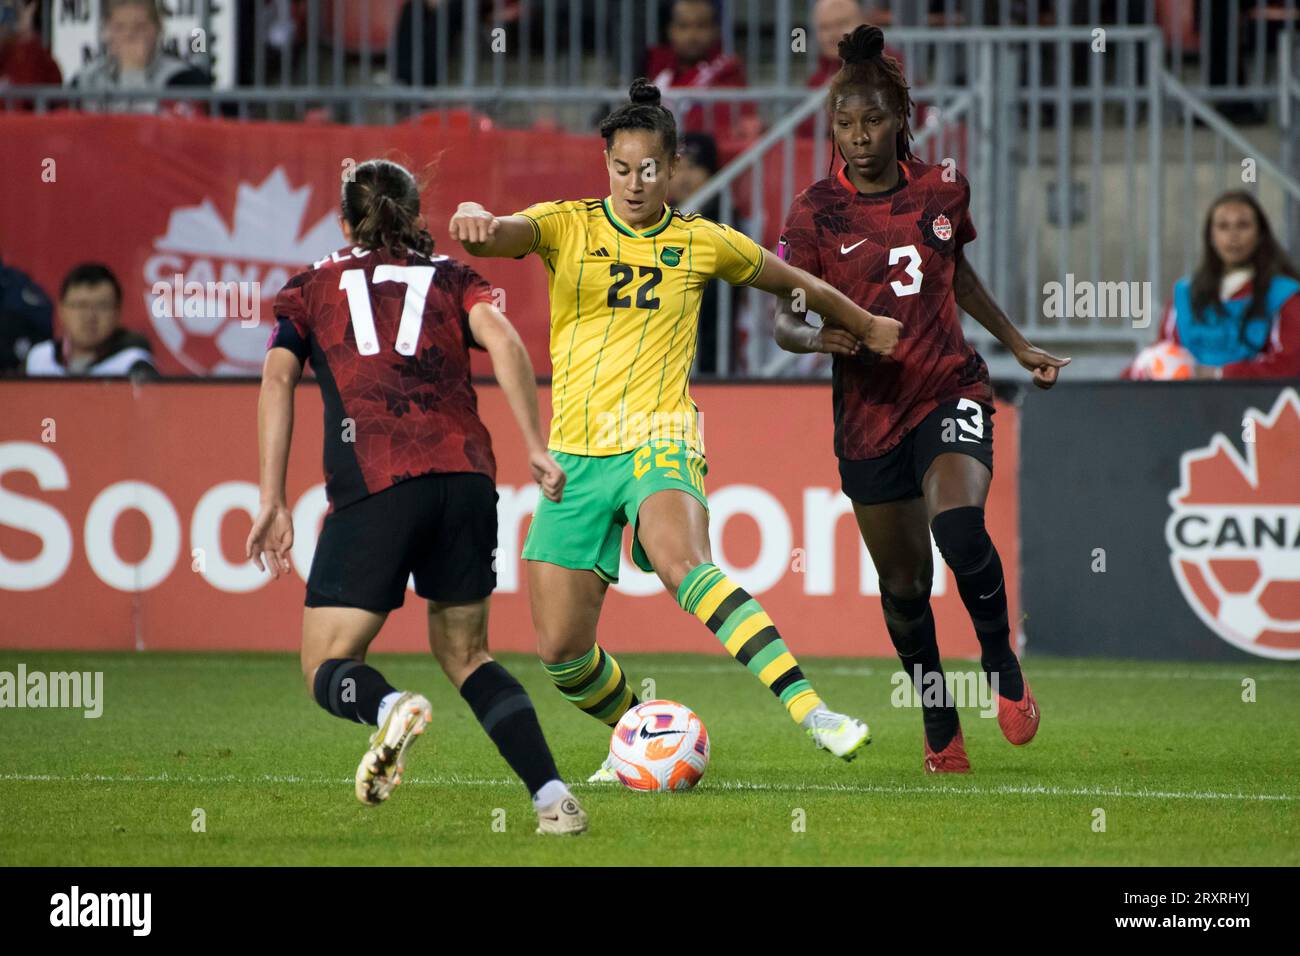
(442, 528)
(963, 425)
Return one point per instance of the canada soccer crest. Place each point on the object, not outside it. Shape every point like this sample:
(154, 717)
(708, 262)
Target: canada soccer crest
(265, 242)
(1234, 535)
(942, 227)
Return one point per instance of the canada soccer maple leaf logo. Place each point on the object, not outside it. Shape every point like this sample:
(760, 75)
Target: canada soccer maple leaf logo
(1234, 535)
(265, 243)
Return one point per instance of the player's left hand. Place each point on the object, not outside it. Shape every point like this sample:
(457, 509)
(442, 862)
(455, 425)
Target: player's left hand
(1044, 365)
(272, 539)
(547, 473)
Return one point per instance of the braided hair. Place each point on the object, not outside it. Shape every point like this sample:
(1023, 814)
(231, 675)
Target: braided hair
(865, 68)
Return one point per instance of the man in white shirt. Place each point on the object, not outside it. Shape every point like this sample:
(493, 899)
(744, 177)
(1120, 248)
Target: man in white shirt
(93, 341)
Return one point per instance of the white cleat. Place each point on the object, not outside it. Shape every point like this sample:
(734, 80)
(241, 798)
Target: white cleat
(605, 774)
(563, 816)
(381, 767)
(842, 735)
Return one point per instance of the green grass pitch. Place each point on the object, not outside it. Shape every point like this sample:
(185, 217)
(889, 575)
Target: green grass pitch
(1185, 772)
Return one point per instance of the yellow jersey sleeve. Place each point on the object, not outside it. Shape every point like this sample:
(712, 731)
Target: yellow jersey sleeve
(551, 222)
(737, 258)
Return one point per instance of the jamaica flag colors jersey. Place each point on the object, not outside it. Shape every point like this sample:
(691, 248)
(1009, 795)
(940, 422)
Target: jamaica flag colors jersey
(625, 308)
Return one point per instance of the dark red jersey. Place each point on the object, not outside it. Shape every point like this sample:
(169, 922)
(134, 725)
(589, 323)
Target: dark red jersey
(389, 340)
(893, 253)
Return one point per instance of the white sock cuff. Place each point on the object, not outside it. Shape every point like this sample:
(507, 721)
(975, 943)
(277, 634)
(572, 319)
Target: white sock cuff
(551, 791)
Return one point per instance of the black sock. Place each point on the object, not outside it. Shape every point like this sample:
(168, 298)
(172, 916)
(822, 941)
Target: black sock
(911, 627)
(966, 546)
(503, 708)
(351, 690)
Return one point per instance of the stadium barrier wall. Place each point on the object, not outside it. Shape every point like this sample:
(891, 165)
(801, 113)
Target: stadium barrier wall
(124, 511)
(1162, 520)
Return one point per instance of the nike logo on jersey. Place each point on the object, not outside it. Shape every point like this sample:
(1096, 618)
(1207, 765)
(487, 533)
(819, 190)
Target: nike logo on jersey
(845, 250)
(985, 597)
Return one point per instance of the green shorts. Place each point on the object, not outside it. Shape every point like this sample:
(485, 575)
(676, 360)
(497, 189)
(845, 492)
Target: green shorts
(584, 530)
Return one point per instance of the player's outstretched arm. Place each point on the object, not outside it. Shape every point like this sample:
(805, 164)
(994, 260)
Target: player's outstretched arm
(795, 334)
(976, 301)
(272, 535)
(514, 373)
(879, 333)
(483, 234)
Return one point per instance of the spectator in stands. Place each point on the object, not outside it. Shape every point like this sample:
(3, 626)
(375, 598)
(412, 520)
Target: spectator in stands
(93, 342)
(405, 40)
(134, 61)
(832, 19)
(24, 61)
(693, 57)
(26, 315)
(1238, 314)
(506, 17)
(697, 162)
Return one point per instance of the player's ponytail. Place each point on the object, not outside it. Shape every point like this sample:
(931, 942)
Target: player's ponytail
(865, 66)
(381, 204)
(644, 111)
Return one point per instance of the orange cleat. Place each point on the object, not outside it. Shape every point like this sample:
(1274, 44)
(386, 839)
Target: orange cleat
(952, 759)
(1019, 718)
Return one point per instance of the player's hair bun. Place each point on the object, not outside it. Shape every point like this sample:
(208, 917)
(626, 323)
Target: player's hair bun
(864, 44)
(643, 91)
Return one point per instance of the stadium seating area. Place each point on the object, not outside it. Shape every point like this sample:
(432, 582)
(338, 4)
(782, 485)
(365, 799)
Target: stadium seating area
(1080, 164)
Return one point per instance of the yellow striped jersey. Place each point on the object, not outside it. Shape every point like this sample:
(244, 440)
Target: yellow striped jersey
(625, 308)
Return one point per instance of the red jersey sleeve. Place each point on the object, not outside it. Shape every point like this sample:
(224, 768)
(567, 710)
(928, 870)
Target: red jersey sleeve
(475, 289)
(1280, 358)
(798, 244)
(291, 304)
(472, 290)
(966, 228)
(292, 327)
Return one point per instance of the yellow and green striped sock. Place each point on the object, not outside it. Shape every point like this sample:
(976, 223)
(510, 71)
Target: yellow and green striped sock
(595, 683)
(748, 634)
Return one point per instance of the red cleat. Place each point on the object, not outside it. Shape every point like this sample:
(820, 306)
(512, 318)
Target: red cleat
(952, 759)
(1019, 718)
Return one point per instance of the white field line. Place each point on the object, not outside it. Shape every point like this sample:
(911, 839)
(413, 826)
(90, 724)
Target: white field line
(457, 781)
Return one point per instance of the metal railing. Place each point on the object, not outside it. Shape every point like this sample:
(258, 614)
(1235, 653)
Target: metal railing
(1075, 186)
(1085, 164)
(1223, 50)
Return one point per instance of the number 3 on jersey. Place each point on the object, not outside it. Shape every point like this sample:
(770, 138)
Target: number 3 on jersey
(417, 280)
(909, 255)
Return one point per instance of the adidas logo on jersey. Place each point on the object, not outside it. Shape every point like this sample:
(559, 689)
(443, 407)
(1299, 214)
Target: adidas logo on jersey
(602, 251)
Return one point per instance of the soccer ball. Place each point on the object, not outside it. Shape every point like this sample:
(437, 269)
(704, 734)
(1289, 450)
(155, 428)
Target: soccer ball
(1164, 362)
(659, 745)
